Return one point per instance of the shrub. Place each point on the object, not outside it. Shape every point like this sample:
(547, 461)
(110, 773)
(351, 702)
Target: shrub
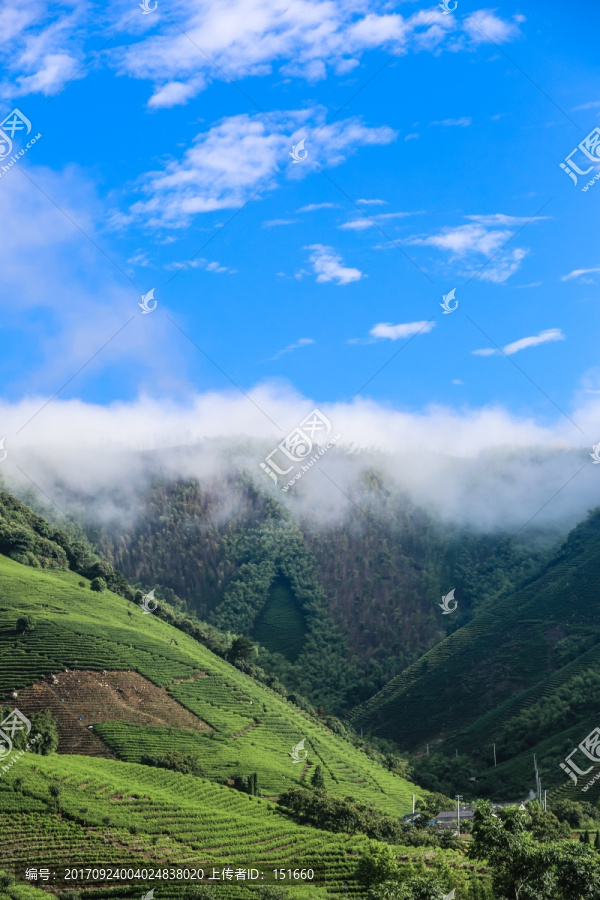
(317, 780)
(98, 584)
(25, 623)
(176, 761)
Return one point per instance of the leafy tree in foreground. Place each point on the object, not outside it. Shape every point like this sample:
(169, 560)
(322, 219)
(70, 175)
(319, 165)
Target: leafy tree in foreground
(98, 584)
(524, 868)
(426, 888)
(376, 865)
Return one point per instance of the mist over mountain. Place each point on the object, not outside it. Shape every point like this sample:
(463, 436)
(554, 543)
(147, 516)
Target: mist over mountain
(482, 469)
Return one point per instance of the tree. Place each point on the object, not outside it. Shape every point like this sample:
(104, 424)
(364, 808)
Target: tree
(98, 584)
(423, 888)
(44, 724)
(597, 841)
(586, 837)
(241, 651)
(376, 865)
(526, 869)
(55, 792)
(317, 780)
(25, 623)
(545, 826)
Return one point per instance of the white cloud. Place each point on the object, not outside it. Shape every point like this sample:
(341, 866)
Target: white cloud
(370, 221)
(484, 467)
(239, 156)
(65, 282)
(483, 26)
(305, 39)
(375, 202)
(201, 263)
(275, 223)
(551, 334)
(405, 329)
(43, 42)
(485, 235)
(313, 207)
(463, 122)
(577, 273)
(593, 104)
(356, 225)
(34, 52)
(302, 342)
(413, 136)
(328, 266)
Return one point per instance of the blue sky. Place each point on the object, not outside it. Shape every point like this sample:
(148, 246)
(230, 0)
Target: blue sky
(433, 147)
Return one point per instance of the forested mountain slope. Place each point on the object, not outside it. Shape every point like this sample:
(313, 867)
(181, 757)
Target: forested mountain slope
(522, 675)
(340, 608)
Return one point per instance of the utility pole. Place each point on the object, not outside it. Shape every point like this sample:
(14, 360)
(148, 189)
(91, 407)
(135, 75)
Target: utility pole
(494, 754)
(545, 799)
(458, 799)
(427, 745)
(413, 804)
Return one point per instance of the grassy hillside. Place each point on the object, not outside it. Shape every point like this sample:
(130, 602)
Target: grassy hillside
(254, 728)
(523, 675)
(123, 685)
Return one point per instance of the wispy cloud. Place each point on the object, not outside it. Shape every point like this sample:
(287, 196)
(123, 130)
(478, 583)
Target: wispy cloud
(302, 342)
(239, 155)
(313, 207)
(328, 266)
(306, 39)
(201, 263)
(413, 136)
(375, 202)
(403, 330)
(551, 334)
(577, 273)
(274, 223)
(463, 122)
(484, 235)
(593, 104)
(362, 223)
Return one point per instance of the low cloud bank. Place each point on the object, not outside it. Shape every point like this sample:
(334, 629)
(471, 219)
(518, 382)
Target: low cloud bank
(480, 467)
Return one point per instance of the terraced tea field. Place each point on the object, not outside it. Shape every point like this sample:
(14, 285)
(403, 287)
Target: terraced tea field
(123, 815)
(182, 691)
